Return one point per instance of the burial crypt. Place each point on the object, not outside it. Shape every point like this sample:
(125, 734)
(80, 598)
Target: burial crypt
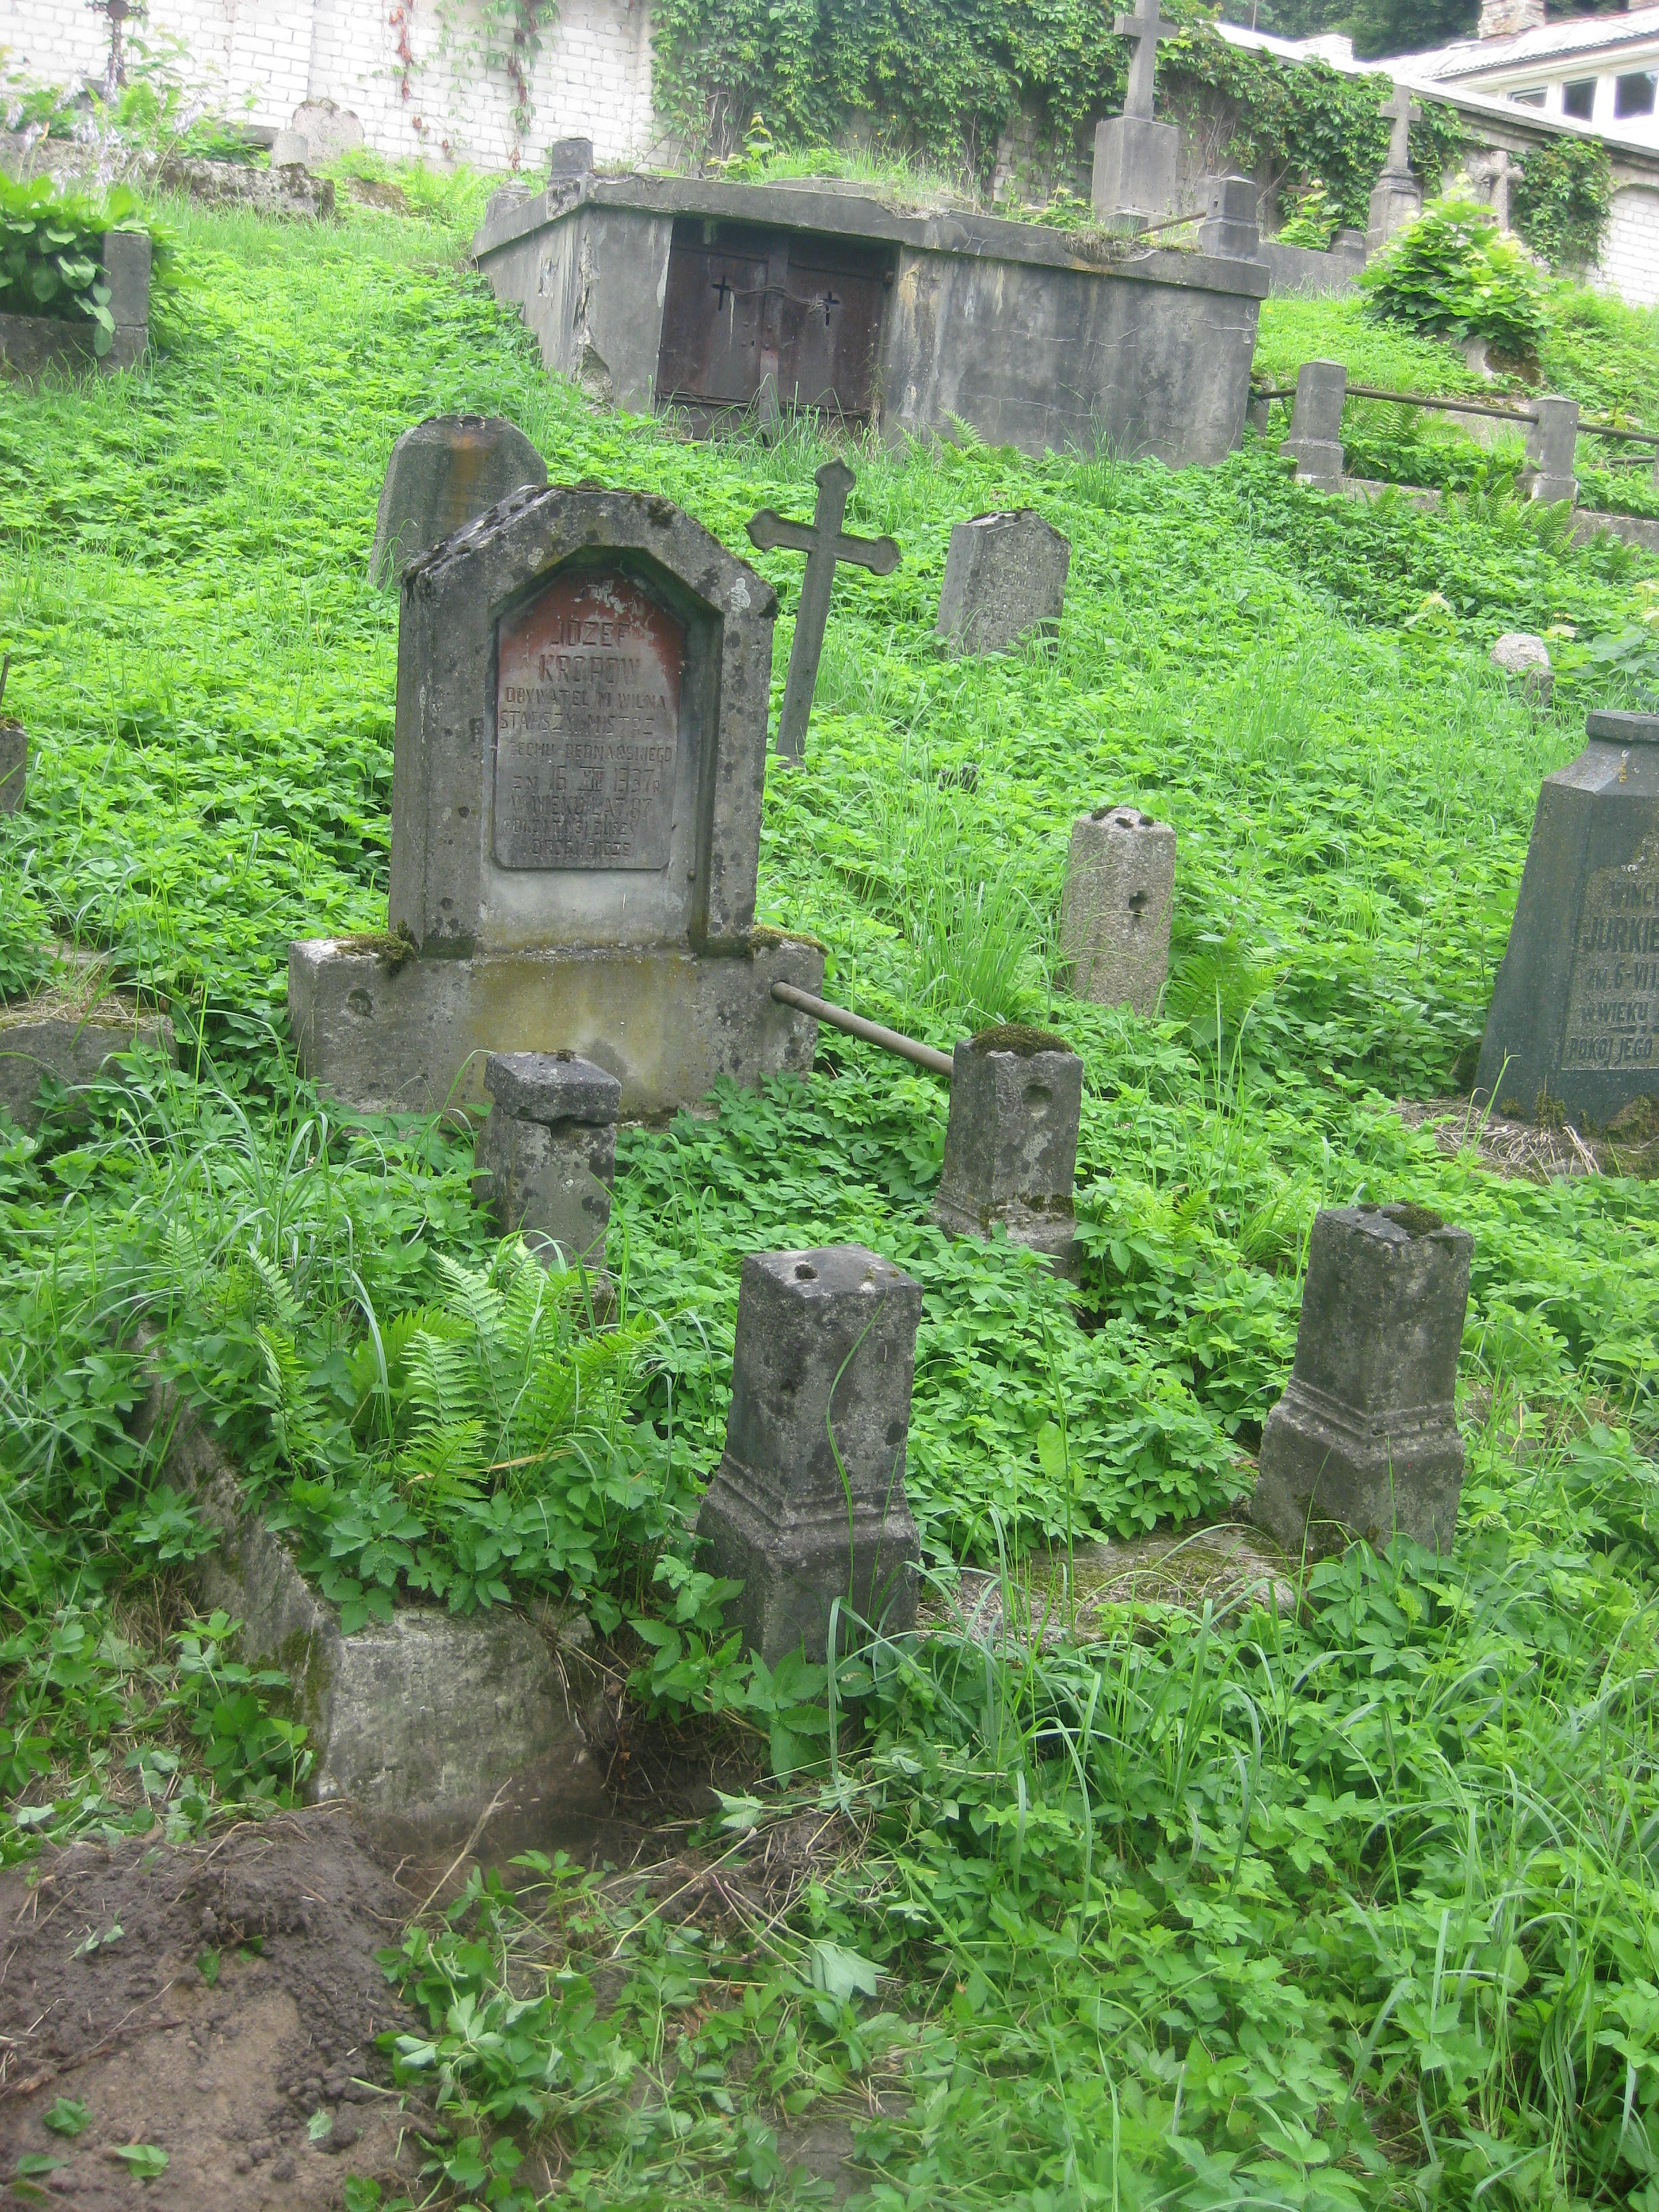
(712, 298)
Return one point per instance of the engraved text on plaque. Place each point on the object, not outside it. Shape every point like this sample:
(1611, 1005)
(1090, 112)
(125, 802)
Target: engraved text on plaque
(1613, 1005)
(588, 710)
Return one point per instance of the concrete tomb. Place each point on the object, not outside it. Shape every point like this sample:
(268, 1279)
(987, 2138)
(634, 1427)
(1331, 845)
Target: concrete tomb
(730, 302)
(1114, 910)
(807, 1505)
(825, 543)
(30, 344)
(546, 1156)
(47, 1040)
(442, 474)
(1010, 1141)
(1574, 1024)
(1397, 197)
(1363, 1443)
(580, 756)
(1005, 579)
(1316, 439)
(1551, 446)
(1135, 157)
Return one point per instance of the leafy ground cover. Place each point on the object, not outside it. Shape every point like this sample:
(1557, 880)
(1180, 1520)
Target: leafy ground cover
(1354, 1908)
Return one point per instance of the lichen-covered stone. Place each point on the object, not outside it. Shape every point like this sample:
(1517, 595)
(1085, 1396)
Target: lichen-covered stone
(1010, 1141)
(71, 1047)
(442, 475)
(1114, 911)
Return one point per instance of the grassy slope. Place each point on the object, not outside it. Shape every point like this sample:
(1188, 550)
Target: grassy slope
(1303, 691)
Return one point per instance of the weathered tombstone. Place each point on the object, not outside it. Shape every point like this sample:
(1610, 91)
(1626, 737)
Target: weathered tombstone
(807, 1505)
(580, 759)
(1010, 1141)
(1363, 1443)
(1004, 577)
(443, 474)
(1552, 447)
(825, 543)
(1316, 439)
(1574, 1024)
(76, 1048)
(1519, 653)
(289, 150)
(1114, 910)
(547, 1153)
(327, 130)
(1228, 223)
(1135, 157)
(1397, 197)
(570, 157)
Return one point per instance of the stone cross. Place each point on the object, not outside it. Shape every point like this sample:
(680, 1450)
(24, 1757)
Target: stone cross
(1146, 28)
(825, 543)
(1401, 111)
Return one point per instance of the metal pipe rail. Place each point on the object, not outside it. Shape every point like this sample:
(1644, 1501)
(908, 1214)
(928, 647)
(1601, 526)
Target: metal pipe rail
(1415, 399)
(937, 1063)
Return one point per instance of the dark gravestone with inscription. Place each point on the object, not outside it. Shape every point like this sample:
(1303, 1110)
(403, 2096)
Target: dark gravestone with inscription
(580, 754)
(1574, 1026)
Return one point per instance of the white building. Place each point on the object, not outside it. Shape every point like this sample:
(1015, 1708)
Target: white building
(1599, 71)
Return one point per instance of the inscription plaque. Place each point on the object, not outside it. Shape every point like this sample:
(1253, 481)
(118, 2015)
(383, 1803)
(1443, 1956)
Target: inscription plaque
(587, 712)
(1612, 1002)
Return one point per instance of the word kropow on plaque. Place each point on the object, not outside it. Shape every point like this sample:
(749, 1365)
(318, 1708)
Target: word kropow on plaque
(588, 727)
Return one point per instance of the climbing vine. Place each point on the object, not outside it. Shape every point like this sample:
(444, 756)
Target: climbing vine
(947, 77)
(507, 35)
(1562, 201)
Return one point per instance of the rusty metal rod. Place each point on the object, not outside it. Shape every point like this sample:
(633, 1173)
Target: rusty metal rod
(937, 1063)
(1414, 399)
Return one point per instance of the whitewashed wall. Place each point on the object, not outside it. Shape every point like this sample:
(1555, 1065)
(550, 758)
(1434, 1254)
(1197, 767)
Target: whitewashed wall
(408, 70)
(1629, 258)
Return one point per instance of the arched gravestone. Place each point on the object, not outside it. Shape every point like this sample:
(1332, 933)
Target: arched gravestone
(443, 474)
(580, 760)
(1574, 1024)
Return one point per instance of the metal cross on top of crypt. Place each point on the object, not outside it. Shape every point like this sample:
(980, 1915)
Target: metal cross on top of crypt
(1146, 28)
(1401, 111)
(825, 543)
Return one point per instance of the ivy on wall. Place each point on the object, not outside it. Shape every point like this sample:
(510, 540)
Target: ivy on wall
(1563, 202)
(507, 35)
(946, 78)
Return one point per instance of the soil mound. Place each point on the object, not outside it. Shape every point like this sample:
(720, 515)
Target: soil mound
(219, 2002)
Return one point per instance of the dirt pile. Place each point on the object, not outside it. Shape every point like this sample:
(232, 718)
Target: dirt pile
(218, 2001)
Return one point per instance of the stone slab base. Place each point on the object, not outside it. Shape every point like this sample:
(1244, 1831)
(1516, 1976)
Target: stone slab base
(420, 1721)
(1634, 529)
(406, 1035)
(75, 1048)
(32, 344)
(1325, 1481)
(794, 1562)
(1053, 1234)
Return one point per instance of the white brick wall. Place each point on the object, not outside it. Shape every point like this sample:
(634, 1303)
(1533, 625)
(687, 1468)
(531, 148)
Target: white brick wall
(1629, 259)
(410, 71)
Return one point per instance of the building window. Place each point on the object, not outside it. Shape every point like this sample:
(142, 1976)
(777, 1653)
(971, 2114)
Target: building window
(1633, 95)
(1533, 97)
(1578, 99)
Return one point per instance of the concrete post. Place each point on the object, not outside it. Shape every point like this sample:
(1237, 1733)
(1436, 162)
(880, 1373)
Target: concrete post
(1550, 444)
(807, 1505)
(1114, 911)
(1363, 1443)
(546, 1156)
(1316, 439)
(1011, 1142)
(1229, 224)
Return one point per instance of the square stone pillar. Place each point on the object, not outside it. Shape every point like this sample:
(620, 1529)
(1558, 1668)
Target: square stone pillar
(547, 1153)
(1552, 447)
(1316, 438)
(807, 1505)
(1363, 1445)
(1114, 910)
(1135, 168)
(1230, 224)
(14, 765)
(1397, 200)
(1011, 1142)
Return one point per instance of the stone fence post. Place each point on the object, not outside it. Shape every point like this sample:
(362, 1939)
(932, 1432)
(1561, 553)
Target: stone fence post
(125, 260)
(1550, 444)
(1316, 439)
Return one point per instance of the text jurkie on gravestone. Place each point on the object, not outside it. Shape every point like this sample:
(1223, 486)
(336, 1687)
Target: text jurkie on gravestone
(587, 728)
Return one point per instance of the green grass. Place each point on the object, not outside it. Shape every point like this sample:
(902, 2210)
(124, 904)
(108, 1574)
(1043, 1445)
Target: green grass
(1350, 1910)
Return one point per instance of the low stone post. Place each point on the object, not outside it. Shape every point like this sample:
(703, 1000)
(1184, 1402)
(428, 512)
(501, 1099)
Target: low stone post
(445, 472)
(1004, 577)
(546, 1156)
(14, 765)
(807, 1505)
(1011, 1142)
(1552, 442)
(570, 157)
(1114, 910)
(124, 259)
(1363, 1443)
(1229, 224)
(1316, 439)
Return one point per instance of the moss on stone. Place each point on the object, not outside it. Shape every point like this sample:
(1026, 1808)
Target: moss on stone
(1017, 1037)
